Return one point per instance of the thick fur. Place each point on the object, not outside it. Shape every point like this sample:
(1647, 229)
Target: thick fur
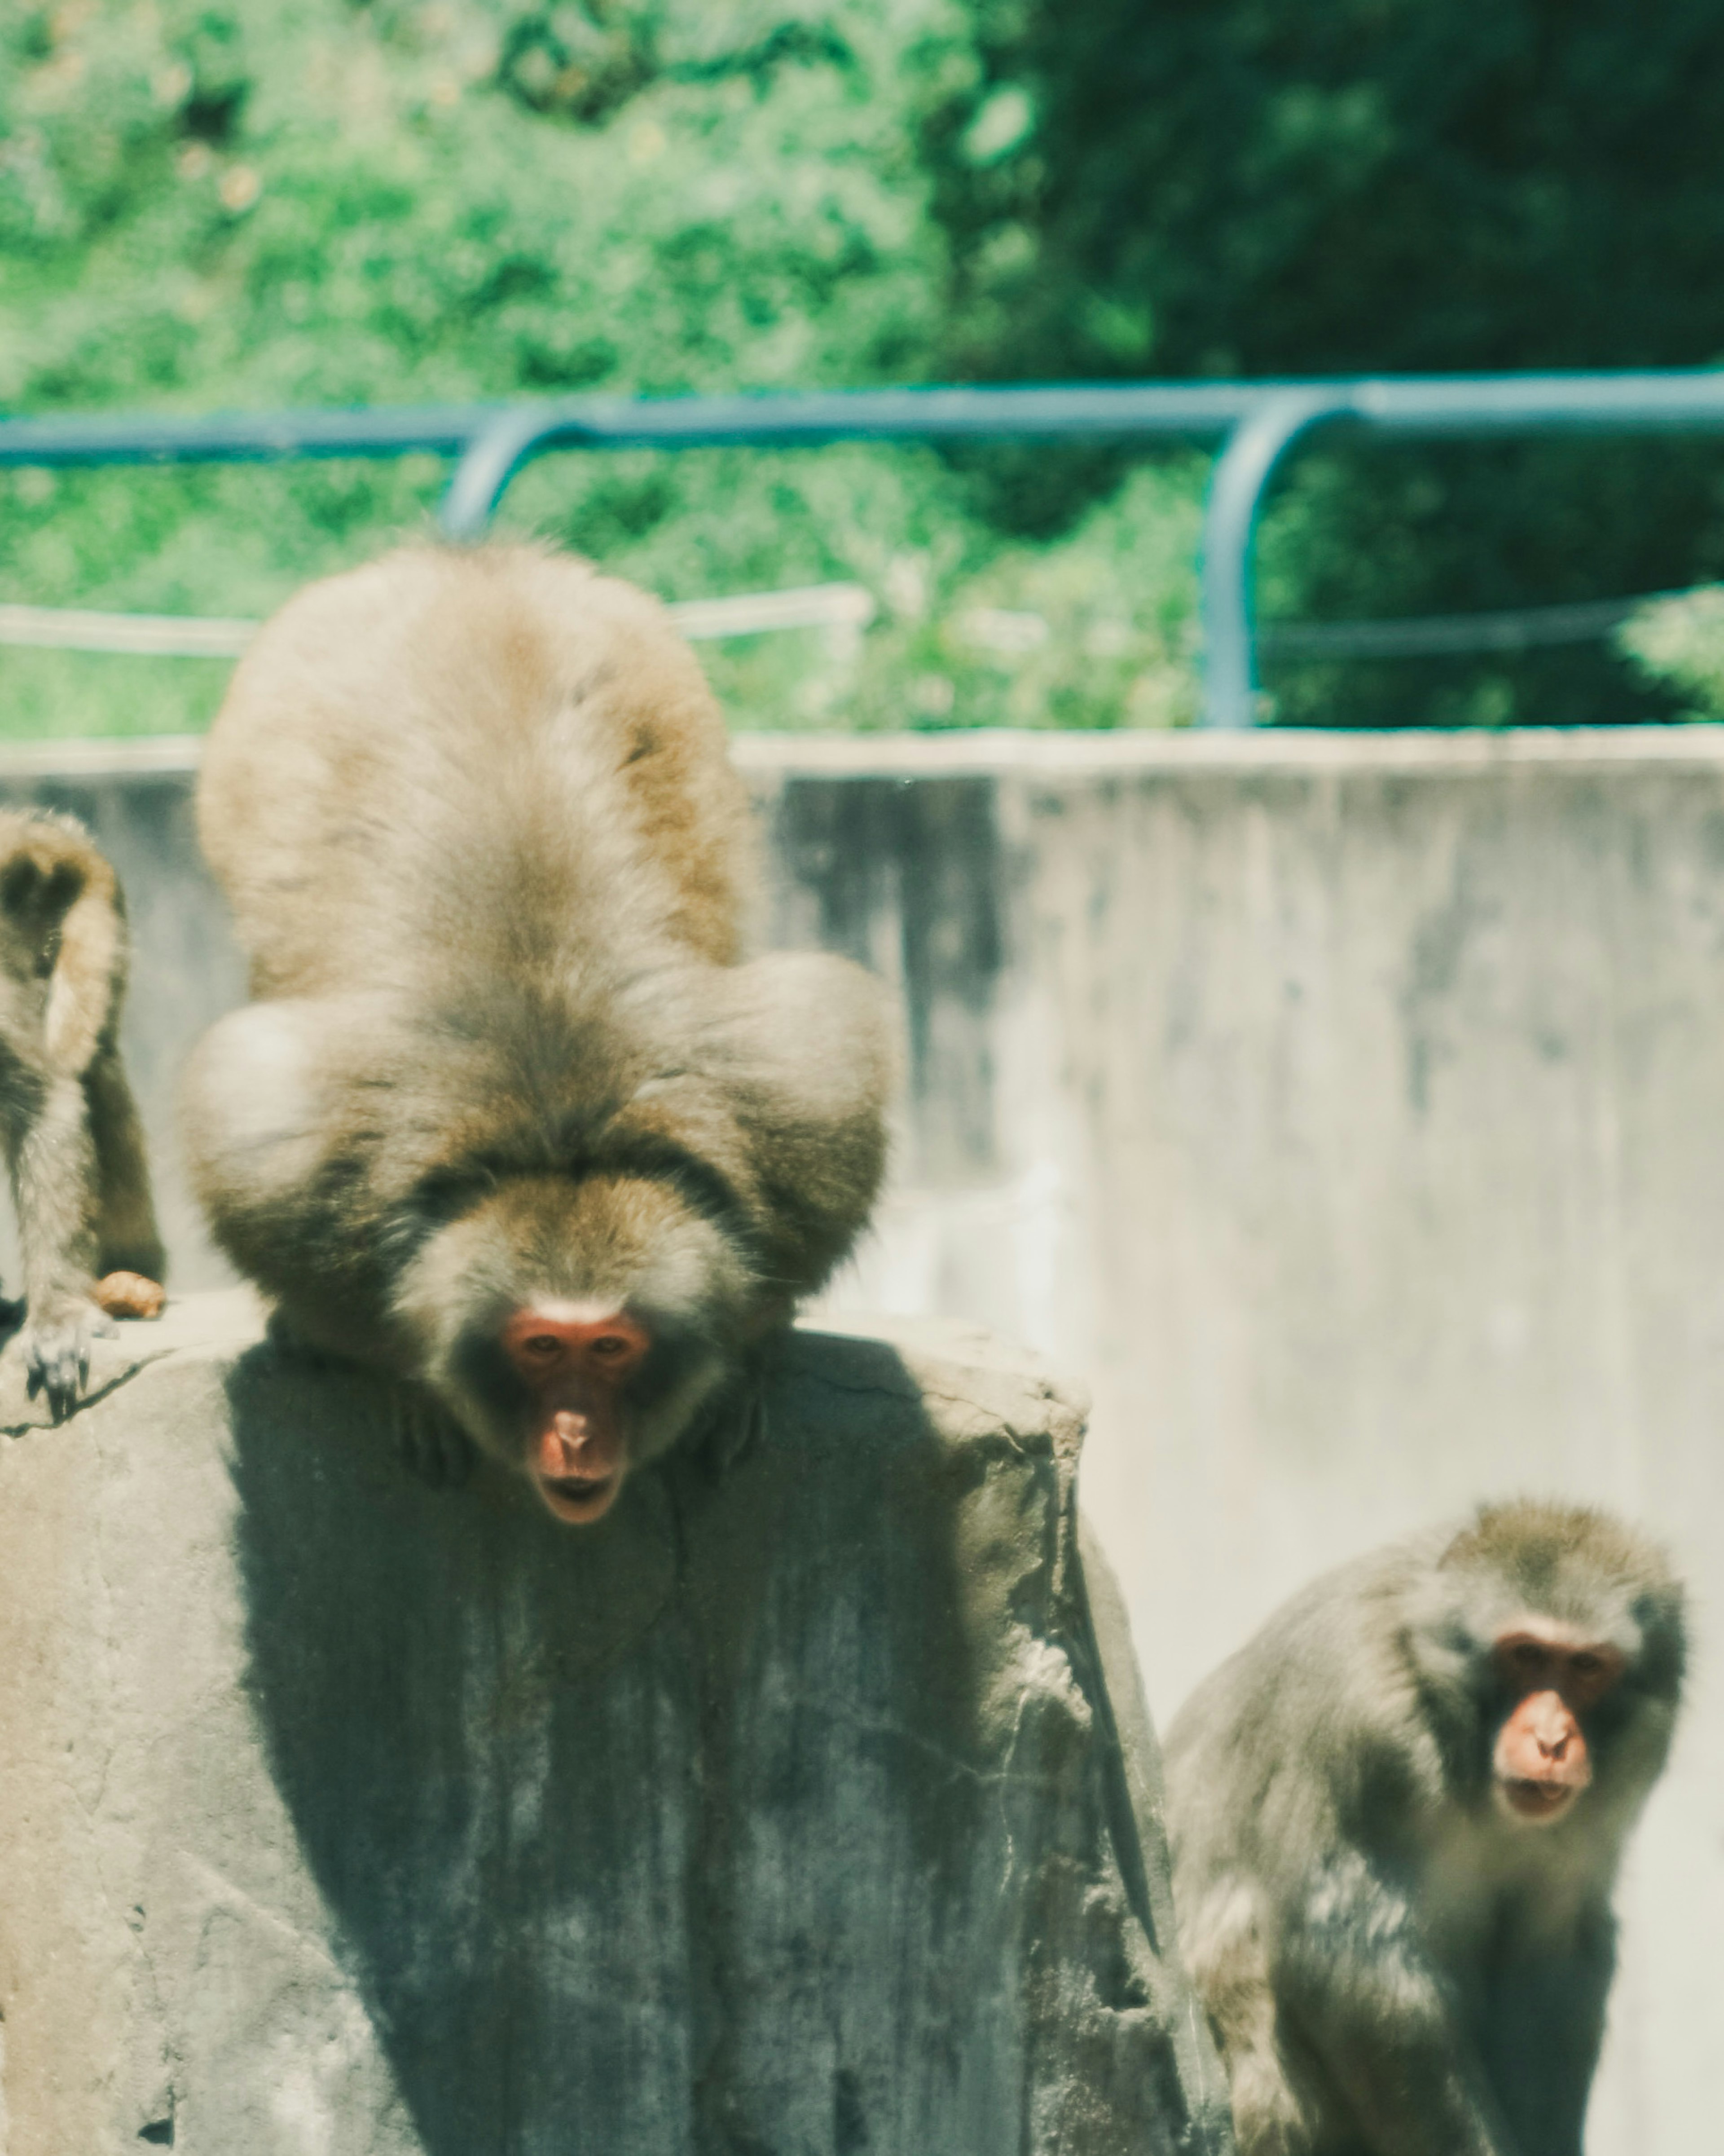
(490, 862)
(1390, 1965)
(74, 1146)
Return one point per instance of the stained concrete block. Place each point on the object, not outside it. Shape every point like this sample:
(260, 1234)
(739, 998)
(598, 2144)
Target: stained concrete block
(807, 1805)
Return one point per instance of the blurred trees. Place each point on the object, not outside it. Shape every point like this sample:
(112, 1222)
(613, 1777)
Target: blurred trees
(208, 204)
(1235, 186)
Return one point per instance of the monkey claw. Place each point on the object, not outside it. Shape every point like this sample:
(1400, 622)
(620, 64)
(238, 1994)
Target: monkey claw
(806, 1801)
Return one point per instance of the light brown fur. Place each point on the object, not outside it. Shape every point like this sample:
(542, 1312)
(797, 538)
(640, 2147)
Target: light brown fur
(74, 1143)
(489, 862)
(1392, 1966)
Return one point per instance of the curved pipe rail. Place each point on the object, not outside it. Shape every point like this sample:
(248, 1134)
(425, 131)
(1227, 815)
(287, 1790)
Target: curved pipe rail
(1260, 424)
(1237, 487)
(1185, 412)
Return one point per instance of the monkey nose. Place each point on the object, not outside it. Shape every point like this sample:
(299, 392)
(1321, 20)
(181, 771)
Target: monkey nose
(570, 1449)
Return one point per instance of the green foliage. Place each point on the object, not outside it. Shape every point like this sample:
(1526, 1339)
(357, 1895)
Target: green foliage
(1680, 643)
(206, 205)
(1233, 187)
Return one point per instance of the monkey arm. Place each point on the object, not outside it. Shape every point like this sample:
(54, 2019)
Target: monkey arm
(1360, 1987)
(51, 1154)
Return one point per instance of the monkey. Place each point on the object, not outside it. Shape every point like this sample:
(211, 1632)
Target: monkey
(1396, 1817)
(74, 1144)
(510, 1116)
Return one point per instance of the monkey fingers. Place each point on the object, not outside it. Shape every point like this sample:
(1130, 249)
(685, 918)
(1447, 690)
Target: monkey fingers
(433, 1443)
(733, 1422)
(56, 1353)
(287, 1341)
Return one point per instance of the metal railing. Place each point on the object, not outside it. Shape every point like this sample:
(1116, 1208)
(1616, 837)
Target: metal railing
(1257, 424)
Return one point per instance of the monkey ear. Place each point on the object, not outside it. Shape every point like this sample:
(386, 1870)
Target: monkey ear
(80, 994)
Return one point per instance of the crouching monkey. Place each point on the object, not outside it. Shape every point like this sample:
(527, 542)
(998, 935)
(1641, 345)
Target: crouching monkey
(1396, 1819)
(74, 1148)
(507, 1117)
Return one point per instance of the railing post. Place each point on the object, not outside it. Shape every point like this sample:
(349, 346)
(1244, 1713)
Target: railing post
(489, 462)
(1242, 472)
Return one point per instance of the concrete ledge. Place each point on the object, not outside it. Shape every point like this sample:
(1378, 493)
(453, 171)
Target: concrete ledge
(807, 1803)
(996, 751)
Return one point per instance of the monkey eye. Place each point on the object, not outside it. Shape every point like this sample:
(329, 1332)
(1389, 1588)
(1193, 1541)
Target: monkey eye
(1585, 1665)
(609, 1344)
(543, 1346)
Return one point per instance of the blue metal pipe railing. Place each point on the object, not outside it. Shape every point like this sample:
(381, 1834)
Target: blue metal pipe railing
(1258, 424)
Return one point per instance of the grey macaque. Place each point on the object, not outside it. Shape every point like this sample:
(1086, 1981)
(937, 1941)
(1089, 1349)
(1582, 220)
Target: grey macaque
(75, 1146)
(1396, 1819)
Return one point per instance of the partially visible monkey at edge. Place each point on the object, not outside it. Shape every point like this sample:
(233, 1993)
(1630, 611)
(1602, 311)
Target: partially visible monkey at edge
(508, 1116)
(1396, 1819)
(75, 1146)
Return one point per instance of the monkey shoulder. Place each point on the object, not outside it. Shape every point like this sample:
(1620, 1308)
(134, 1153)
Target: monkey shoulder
(1313, 1711)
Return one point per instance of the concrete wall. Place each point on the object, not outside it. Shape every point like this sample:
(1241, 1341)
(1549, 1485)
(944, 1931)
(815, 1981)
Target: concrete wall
(1344, 1109)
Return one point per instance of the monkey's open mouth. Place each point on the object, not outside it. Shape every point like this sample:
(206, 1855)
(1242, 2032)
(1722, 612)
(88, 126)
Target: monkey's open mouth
(1539, 1800)
(577, 1498)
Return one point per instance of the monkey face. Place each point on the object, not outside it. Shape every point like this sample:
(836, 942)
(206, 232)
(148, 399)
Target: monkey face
(576, 1327)
(1550, 1675)
(576, 1361)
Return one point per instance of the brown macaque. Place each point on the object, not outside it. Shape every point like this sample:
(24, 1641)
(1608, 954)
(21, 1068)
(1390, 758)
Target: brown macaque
(75, 1146)
(508, 1116)
(1396, 1819)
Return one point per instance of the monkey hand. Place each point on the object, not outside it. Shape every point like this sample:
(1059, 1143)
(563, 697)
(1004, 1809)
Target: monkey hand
(56, 1350)
(433, 1443)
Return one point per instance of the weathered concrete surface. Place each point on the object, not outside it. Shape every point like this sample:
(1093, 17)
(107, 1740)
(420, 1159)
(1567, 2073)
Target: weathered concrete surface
(807, 1804)
(1348, 1109)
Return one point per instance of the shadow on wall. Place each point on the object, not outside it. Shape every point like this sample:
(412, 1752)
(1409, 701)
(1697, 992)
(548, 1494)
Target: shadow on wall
(731, 1824)
(908, 880)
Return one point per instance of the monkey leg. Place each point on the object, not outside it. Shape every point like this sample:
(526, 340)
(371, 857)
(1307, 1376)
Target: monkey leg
(433, 1443)
(1363, 1992)
(1276, 2113)
(53, 1159)
(127, 1238)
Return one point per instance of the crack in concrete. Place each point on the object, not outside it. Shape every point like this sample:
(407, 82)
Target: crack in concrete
(39, 1418)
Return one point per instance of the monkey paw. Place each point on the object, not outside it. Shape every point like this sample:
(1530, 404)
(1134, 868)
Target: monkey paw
(433, 1443)
(291, 1345)
(56, 1348)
